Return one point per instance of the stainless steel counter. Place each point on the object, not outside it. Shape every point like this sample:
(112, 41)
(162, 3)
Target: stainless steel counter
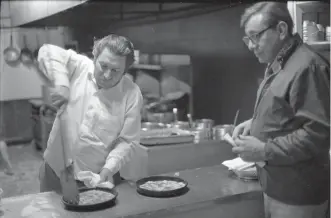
(212, 194)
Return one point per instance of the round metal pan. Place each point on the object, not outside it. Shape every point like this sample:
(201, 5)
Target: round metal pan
(92, 207)
(161, 194)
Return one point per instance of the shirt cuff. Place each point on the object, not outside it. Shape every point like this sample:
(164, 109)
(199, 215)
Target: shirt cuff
(61, 80)
(268, 150)
(111, 165)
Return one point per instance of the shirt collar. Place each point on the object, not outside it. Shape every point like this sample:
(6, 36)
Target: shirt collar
(92, 78)
(284, 54)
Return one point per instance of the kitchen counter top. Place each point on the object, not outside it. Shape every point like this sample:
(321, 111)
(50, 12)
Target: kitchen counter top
(208, 186)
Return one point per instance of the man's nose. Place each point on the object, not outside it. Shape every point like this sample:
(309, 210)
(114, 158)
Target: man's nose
(251, 45)
(107, 74)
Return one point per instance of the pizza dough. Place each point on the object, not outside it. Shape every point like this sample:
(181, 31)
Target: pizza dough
(162, 185)
(94, 197)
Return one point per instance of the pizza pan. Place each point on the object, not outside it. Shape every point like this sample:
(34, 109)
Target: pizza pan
(92, 207)
(161, 194)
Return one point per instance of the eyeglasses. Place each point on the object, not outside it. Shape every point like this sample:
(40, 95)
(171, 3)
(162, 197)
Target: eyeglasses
(254, 38)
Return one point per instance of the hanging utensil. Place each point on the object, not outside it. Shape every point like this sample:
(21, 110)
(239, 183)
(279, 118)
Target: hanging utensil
(35, 52)
(236, 118)
(26, 54)
(68, 183)
(11, 54)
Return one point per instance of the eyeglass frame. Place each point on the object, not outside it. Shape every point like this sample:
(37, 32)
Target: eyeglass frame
(257, 35)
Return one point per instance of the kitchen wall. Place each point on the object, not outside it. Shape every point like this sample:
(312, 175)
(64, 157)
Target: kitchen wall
(19, 84)
(225, 72)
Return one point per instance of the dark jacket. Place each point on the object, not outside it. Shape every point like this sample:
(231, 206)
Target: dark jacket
(292, 115)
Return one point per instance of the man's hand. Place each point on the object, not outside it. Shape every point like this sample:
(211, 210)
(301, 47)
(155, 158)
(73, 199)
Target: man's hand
(59, 96)
(106, 175)
(242, 129)
(250, 149)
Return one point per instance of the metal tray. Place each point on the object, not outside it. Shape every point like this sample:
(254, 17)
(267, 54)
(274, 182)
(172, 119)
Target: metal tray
(161, 194)
(166, 136)
(176, 139)
(92, 207)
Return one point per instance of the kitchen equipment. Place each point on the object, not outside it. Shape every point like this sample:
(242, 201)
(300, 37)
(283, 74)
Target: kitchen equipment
(305, 30)
(204, 123)
(26, 55)
(165, 136)
(201, 135)
(161, 194)
(92, 207)
(328, 33)
(175, 111)
(202, 129)
(164, 117)
(236, 118)
(219, 131)
(35, 52)
(153, 125)
(11, 54)
(68, 183)
(190, 120)
(181, 125)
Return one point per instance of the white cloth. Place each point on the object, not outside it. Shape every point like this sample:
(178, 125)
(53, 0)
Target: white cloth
(92, 180)
(103, 125)
(237, 164)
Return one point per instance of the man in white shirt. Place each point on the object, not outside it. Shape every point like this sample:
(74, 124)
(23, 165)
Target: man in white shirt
(103, 109)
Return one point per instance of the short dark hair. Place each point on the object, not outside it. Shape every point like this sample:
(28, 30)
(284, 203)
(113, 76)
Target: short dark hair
(120, 45)
(273, 12)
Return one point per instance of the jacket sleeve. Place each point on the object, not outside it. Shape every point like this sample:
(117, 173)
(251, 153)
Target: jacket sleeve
(57, 64)
(129, 136)
(310, 99)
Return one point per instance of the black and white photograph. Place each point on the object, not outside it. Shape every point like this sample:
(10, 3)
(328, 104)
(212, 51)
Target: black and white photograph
(164, 109)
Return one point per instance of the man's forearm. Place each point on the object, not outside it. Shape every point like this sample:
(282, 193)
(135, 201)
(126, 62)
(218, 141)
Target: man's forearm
(119, 156)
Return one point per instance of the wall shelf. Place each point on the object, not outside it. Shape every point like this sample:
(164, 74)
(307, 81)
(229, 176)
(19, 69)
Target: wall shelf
(324, 45)
(147, 67)
(313, 6)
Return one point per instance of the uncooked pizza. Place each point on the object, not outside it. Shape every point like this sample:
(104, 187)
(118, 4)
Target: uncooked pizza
(94, 197)
(162, 185)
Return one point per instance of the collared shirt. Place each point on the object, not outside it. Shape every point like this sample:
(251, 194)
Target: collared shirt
(103, 126)
(292, 116)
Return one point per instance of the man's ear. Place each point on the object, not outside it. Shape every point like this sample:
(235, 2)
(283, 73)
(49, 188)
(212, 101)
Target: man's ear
(282, 28)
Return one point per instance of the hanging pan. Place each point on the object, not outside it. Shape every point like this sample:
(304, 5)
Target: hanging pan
(26, 54)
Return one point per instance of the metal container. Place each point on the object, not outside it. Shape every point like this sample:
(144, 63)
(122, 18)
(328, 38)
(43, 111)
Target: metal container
(153, 125)
(201, 135)
(220, 130)
(202, 130)
(204, 124)
(181, 125)
(166, 117)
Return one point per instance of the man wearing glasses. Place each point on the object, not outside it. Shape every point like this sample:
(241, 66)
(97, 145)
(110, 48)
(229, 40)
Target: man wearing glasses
(290, 127)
